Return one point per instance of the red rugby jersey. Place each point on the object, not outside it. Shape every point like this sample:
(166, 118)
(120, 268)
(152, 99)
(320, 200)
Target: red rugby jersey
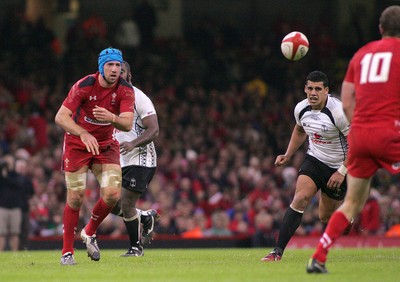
(86, 94)
(375, 72)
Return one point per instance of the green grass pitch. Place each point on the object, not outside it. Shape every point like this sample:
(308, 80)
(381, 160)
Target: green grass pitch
(206, 265)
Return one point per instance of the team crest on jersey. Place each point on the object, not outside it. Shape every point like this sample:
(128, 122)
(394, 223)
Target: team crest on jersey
(113, 96)
(132, 183)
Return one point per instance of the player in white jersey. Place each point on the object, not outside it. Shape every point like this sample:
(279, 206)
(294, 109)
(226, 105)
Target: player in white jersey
(319, 117)
(138, 160)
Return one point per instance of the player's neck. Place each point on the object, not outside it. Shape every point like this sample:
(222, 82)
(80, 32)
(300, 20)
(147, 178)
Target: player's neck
(104, 83)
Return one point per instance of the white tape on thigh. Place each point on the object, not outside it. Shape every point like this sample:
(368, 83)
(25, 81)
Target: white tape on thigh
(76, 181)
(110, 178)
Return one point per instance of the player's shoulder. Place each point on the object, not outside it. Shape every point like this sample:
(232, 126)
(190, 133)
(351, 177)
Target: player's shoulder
(300, 106)
(333, 102)
(138, 92)
(334, 105)
(87, 81)
(124, 87)
(142, 100)
(124, 83)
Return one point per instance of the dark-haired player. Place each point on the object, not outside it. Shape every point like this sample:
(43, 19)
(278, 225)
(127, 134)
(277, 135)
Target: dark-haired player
(138, 161)
(321, 119)
(371, 101)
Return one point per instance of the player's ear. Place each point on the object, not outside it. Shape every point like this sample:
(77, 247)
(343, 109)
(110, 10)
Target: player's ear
(130, 77)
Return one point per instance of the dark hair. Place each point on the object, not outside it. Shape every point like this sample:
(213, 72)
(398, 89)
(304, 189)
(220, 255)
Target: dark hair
(128, 67)
(317, 76)
(390, 21)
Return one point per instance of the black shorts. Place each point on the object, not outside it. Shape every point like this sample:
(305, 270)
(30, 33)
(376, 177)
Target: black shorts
(137, 178)
(320, 174)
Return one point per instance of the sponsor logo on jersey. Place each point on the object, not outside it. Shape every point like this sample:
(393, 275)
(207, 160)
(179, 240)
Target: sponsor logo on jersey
(95, 121)
(317, 139)
(317, 135)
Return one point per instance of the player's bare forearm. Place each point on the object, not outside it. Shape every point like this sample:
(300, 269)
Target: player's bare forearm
(151, 132)
(296, 140)
(123, 122)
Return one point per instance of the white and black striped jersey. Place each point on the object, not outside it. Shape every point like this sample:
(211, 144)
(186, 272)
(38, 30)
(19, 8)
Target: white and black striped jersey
(327, 130)
(146, 155)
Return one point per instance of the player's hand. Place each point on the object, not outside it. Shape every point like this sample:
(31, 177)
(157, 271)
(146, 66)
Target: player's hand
(281, 160)
(125, 147)
(335, 181)
(90, 142)
(102, 114)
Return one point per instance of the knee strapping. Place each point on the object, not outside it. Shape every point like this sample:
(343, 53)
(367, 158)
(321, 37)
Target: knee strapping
(75, 181)
(110, 178)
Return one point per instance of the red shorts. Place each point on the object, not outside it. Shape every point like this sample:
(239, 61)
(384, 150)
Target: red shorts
(371, 149)
(76, 156)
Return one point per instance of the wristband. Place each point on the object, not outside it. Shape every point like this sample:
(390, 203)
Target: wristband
(342, 170)
(113, 119)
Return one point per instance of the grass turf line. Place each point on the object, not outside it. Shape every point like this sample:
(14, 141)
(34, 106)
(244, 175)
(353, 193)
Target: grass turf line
(209, 265)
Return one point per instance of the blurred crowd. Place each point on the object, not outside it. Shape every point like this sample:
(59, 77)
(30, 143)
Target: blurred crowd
(225, 106)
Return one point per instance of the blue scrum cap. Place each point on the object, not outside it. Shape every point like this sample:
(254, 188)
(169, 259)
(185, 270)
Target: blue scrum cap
(108, 55)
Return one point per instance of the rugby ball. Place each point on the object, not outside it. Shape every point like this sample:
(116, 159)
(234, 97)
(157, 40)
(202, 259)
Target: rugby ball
(294, 46)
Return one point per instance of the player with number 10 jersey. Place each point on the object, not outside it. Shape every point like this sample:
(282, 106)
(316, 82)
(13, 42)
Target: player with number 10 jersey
(375, 72)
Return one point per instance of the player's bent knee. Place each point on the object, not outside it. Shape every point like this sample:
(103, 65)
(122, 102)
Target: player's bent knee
(111, 195)
(110, 178)
(75, 181)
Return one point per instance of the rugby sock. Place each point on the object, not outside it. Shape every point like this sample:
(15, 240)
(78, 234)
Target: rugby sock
(132, 227)
(99, 213)
(117, 209)
(337, 224)
(291, 221)
(70, 223)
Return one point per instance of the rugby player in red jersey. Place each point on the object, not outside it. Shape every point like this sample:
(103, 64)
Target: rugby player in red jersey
(371, 102)
(95, 105)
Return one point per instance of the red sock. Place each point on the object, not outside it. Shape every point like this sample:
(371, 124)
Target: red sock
(337, 224)
(99, 213)
(70, 222)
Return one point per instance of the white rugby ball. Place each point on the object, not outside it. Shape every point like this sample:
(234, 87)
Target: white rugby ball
(294, 46)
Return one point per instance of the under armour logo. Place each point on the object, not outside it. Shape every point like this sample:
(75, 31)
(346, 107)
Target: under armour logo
(92, 98)
(133, 182)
